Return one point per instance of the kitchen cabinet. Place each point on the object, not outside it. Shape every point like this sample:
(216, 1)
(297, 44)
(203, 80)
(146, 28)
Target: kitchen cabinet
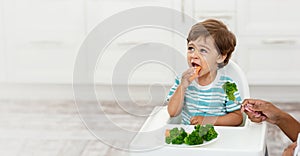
(268, 17)
(42, 39)
(224, 11)
(269, 41)
(270, 62)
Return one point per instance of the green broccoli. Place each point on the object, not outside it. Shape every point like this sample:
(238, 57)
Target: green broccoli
(193, 139)
(202, 130)
(229, 89)
(176, 136)
(210, 133)
(207, 132)
(198, 135)
(197, 127)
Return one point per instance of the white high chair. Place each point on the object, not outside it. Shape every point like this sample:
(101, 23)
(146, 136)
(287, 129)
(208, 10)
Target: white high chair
(246, 140)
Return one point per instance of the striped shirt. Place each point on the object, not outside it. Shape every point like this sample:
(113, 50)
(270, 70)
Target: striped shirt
(210, 100)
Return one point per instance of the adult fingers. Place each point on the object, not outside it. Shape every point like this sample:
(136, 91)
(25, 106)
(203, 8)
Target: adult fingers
(245, 102)
(248, 113)
(289, 151)
(255, 119)
(293, 145)
(250, 101)
(242, 109)
(253, 101)
(257, 105)
(263, 106)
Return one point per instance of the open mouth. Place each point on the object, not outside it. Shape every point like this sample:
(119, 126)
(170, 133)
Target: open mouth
(197, 69)
(195, 64)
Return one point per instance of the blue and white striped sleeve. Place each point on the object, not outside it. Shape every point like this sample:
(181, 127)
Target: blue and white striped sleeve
(173, 88)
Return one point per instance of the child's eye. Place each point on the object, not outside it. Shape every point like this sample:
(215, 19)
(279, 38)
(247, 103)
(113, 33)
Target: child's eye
(203, 51)
(192, 49)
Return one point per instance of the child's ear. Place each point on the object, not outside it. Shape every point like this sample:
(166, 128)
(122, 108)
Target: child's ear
(221, 58)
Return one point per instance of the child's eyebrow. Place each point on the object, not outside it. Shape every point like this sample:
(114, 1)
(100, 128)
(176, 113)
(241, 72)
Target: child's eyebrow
(192, 44)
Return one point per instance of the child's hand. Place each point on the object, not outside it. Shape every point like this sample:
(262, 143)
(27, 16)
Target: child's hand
(185, 79)
(196, 120)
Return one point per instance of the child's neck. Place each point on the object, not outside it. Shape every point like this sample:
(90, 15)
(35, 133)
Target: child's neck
(207, 78)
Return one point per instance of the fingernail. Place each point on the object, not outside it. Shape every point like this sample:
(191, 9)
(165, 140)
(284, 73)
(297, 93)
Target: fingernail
(257, 114)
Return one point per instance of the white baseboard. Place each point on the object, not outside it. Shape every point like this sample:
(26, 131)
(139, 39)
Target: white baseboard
(136, 93)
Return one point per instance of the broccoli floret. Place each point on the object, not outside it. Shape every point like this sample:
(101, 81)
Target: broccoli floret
(193, 139)
(207, 132)
(210, 133)
(168, 140)
(196, 127)
(176, 136)
(200, 133)
(202, 130)
(229, 89)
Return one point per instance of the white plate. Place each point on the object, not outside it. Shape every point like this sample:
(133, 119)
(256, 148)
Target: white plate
(190, 146)
(189, 130)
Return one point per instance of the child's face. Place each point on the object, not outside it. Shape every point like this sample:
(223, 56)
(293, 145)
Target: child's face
(204, 53)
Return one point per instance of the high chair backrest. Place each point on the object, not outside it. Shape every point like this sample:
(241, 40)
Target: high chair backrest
(237, 74)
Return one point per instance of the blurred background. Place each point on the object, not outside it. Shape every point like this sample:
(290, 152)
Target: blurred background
(40, 39)
(39, 42)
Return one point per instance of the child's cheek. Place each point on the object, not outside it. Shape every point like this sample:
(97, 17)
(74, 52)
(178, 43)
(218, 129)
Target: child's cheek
(204, 64)
(188, 59)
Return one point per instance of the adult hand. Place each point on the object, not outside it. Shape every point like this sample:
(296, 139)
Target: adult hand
(259, 110)
(269, 112)
(289, 151)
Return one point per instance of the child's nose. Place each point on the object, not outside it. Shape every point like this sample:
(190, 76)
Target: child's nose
(195, 55)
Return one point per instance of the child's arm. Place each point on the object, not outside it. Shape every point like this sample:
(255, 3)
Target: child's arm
(176, 100)
(234, 118)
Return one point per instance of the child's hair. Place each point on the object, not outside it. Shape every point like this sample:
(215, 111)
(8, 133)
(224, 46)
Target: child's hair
(224, 39)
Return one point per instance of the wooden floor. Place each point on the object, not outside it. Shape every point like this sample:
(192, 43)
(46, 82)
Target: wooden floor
(54, 128)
